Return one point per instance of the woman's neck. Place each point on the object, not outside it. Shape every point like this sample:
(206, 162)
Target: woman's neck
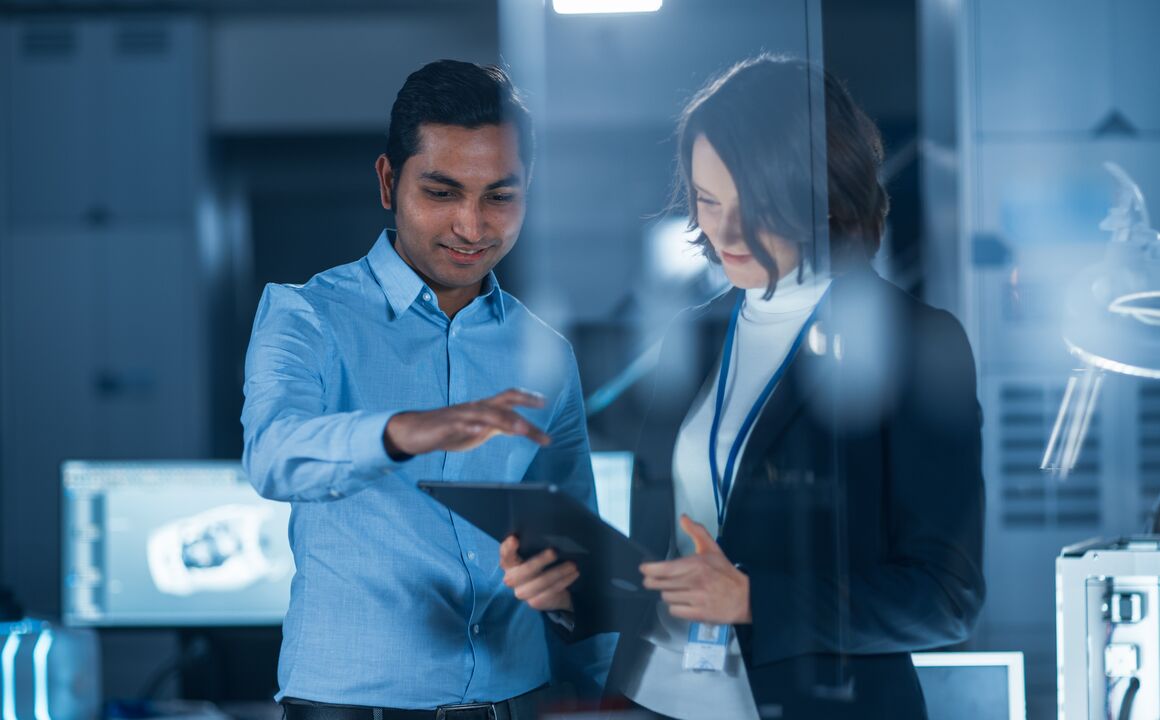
(792, 294)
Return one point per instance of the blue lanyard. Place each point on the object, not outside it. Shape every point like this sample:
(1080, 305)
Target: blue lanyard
(721, 485)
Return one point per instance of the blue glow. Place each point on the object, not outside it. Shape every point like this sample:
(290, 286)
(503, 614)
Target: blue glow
(40, 674)
(8, 671)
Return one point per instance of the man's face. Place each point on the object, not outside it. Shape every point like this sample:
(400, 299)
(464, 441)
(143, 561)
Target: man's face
(459, 202)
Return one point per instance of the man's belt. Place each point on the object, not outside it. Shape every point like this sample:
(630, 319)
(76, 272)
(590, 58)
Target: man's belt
(521, 707)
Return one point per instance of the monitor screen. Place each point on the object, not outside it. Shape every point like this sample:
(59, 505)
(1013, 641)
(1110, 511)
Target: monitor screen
(172, 544)
(972, 685)
(613, 472)
(193, 544)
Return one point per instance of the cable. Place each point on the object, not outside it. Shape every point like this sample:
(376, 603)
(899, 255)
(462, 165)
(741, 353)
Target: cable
(1129, 696)
(1110, 684)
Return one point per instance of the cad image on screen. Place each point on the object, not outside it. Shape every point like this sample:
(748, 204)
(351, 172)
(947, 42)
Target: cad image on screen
(167, 543)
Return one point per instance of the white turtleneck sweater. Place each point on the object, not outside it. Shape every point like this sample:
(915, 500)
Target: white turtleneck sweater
(765, 331)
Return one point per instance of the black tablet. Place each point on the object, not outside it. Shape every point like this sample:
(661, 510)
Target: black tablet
(543, 516)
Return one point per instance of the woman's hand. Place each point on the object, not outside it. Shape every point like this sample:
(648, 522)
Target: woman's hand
(539, 588)
(704, 587)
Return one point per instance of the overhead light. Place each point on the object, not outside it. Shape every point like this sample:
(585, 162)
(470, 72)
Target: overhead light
(594, 7)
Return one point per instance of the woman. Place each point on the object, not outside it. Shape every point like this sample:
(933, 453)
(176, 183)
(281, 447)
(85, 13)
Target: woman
(824, 507)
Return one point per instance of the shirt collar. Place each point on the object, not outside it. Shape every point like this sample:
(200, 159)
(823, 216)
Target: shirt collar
(493, 295)
(403, 286)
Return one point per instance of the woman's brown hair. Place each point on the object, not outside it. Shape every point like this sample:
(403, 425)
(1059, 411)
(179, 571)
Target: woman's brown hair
(758, 117)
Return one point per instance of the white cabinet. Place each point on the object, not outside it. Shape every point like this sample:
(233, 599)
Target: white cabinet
(1136, 55)
(1043, 65)
(105, 117)
(103, 347)
(51, 155)
(104, 343)
(1064, 66)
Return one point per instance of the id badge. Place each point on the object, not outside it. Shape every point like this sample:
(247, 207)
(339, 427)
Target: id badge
(706, 648)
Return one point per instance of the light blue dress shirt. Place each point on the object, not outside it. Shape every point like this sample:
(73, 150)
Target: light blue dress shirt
(396, 602)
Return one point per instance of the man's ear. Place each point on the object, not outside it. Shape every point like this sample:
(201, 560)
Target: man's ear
(386, 181)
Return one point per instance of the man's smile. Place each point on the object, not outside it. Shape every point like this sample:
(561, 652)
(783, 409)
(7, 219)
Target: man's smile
(465, 255)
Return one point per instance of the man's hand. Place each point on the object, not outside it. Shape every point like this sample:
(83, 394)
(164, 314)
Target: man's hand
(539, 588)
(463, 427)
(704, 587)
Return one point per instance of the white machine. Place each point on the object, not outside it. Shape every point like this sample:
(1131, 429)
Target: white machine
(1108, 629)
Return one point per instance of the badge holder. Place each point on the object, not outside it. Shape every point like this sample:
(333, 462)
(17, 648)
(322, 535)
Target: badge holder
(707, 646)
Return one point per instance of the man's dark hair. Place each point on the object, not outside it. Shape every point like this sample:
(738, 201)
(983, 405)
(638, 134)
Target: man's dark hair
(451, 92)
(757, 116)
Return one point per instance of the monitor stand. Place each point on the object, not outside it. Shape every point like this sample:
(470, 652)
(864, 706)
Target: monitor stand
(229, 664)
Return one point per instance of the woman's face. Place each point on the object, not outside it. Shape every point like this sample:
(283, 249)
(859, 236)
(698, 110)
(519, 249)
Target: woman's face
(719, 217)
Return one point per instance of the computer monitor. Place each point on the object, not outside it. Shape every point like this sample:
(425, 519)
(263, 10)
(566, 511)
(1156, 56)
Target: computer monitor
(177, 544)
(172, 544)
(613, 472)
(972, 685)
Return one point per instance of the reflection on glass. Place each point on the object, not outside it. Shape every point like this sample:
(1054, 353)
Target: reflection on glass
(1112, 319)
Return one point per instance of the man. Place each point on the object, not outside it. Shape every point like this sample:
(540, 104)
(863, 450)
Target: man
(401, 367)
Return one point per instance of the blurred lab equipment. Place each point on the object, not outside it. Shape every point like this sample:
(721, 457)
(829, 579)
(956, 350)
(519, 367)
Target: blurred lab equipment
(1111, 320)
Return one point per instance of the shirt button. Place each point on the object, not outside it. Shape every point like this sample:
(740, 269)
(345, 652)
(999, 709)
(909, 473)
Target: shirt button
(475, 629)
(470, 554)
(335, 494)
(427, 297)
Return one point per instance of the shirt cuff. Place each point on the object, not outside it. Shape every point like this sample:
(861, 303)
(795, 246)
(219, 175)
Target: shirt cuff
(366, 444)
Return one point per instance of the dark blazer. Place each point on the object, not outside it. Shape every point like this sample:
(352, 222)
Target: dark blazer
(857, 509)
